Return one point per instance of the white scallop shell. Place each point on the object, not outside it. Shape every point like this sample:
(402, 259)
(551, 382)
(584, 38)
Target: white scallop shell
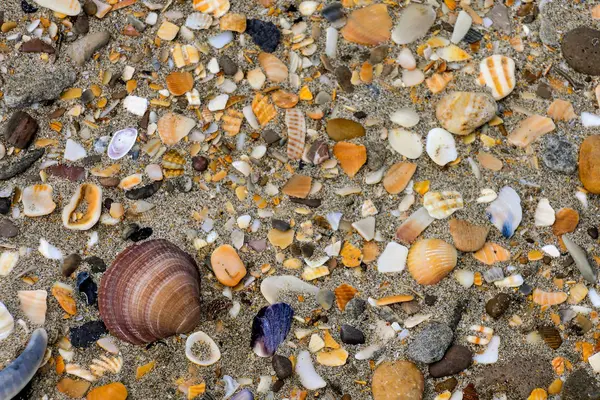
(121, 142)
(215, 353)
(544, 213)
(406, 143)
(198, 21)
(441, 146)
(7, 322)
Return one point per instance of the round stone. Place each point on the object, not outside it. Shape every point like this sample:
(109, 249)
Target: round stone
(589, 164)
(431, 343)
(282, 366)
(559, 155)
(457, 359)
(498, 305)
(398, 380)
(581, 51)
(199, 163)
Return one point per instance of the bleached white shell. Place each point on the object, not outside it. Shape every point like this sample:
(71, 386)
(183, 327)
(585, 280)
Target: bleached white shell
(493, 274)
(243, 167)
(506, 212)
(108, 344)
(221, 40)
(37, 200)
(136, 105)
(461, 26)
(8, 261)
(198, 21)
(316, 343)
(544, 213)
(510, 281)
(441, 146)
(465, 277)
(551, 250)
(412, 77)
(405, 117)
(154, 172)
(7, 322)
(218, 103)
(201, 337)
(406, 143)
(365, 228)
(67, 7)
(414, 22)
(331, 42)
(594, 297)
(490, 355)
(406, 59)
(49, 251)
(309, 378)
(590, 120)
(272, 286)
(121, 142)
(307, 8)
(486, 196)
(441, 205)
(74, 151)
(393, 258)
(415, 320)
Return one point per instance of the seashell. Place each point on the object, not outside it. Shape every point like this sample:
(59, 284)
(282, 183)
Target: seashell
(174, 127)
(351, 157)
(467, 236)
(151, 291)
(538, 394)
(577, 294)
(63, 293)
(66, 7)
(309, 378)
(233, 22)
(270, 327)
(397, 177)
(430, 260)
(179, 83)
(463, 112)
(489, 161)
(272, 286)
(505, 212)
(167, 31)
(365, 228)
(185, 55)
(227, 265)
(72, 216)
(49, 251)
(441, 146)
(297, 186)
(393, 258)
(414, 225)
(120, 144)
(510, 281)
(579, 255)
(464, 277)
(312, 273)
(442, 204)
(566, 221)
(112, 391)
(232, 122)
(343, 294)
(37, 200)
(551, 336)
(263, 109)
(274, 68)
(201, 337)
(7, 322)
(106, 172)
(406, 143)
(453, 53)
(333, 358)
(33, 305)
(414, 22)
(438, 82)
(497, 72)
(16, 375)
(544, 213)
(370, 25)
(199, 21)
(548, 298)
(296, 126)
(489, 356)
(217, 7)
(74, 388)
(131, 181)
(246, 394)
(493, 274)
(108, 344)
(405, 117)
(530, 129)
(79, 371)
(283, 99)
(256, 78)
(561, 110)
(492, 253)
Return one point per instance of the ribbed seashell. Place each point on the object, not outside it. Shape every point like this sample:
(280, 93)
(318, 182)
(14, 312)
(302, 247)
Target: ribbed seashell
(497, 72)
(297, 186)
(274, 68)
(296, 126)
(263, 109)
(112, 391)
(312, 273)
(63, 293)
(232, 122)
(510, 281)
(105, 364)
(37, 200)
(151, 291)
(16, 375)
(179, 82)
(430, 260)
(505, 212)
(561, 110)
(217, 7)
(551, 336)
(91, 195)
(467, 236)
(493, 274)
(442, 204)
(199, 21)
(343, 294)
(463, 112)
(201, 337)
(79, 371)
(538, 394)
(544, 213)
(121, 142)
(492, 253)
(548, 298)
(414, 225)
(174, 127)
(33, 305)
(7, 322)
(283, 99)
(233, 22)
(270, 327)
(530, 130)
(66, 7)
(577, 294)
(370, 25)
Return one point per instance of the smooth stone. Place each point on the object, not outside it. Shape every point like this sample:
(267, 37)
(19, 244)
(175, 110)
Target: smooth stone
(581, 385)
(20, 129)
(589, 163)
(200, 163)
(398, 380)
(8, 229)
(378, 54)
(499, 16)
(70, 264)
(270, 136)
(143, 192)
(375, 156)
(37, 46)
(228, 66)
(265, 34)
(37, 85)
(497, 306)
(544, 91)
(141, 234)
(89, 7)
(184, 184)
(82, 24)
(227, 265)
(457, 359)
(280, 225)
(355, 307)
(431, 343)
(340, 129)
(333, 12)
(344, 78)
(351, 335)
(449, 385)
(581, 51)
(110, 181)
(13, 168)
(559, 155)
(5, 203)
(98, 265)
(322, 98)
(282, 366)
(325, 298)
(81, 50)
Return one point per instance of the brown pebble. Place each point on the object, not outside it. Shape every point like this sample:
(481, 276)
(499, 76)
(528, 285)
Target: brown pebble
(112, 181)
(449, 385)
(59, 112)
(90, 8)
(119, 95)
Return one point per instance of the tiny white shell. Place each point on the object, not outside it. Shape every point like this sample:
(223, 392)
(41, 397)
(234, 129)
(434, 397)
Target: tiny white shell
(406, 59)
(486, 196)
(544, 213)
(307, 8)
(441, 146)
(49, 251)
(121, 142)
(309, 378)
(215, 353)
(74, 151)
(465, 277)
(198, 21)
(490, 355)
(551, 250)
(510, 281)
(405, 117)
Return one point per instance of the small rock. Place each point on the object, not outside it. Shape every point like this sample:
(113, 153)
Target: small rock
(143, 192)
(375, 156)
(431, 343)
(449, 385)
(499, 15)
(141, 234)
(589, 163)
(184, 184)
(581, 385)
(81, 50)
(457, 359)
(270, 136)
(129, 230)
(82, 24)
(355, 307)
(265, 34)
(344, 78)
(387, 314)
(325, 298)
(340, 129)
(580, 50)
(200, 163)
(111, 181)
(498, 305)
(98, 265)
(37, 85)
(560, 155)
(90, 8)
(333, 12)
(430, 299)
(20, 129)
(282, 366)
(593, 232)
(322, 98)
(13, 169)
(228, 66)
(37, 46)
(5, 203)
(548, 31)
(8, 229)
(398, 380)
(544, 91)
(280, 225)
(308, 250)
(87, 334)
(378, 54)
(70, 264)
(318, 152)
(351, 335)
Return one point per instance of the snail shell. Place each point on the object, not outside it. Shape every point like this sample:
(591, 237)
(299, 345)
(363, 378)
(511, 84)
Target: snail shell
(430, 260)
(151, 291)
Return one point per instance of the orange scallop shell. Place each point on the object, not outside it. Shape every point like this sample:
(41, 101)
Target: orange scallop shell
(179, 83)
(430, 260)
(274, 68)
(492, 253)
(351, 157)
(263, 109)
(370, 25)
(343, 294)
(232, 122)
(548, 298)
(283, 99)
(112, 391)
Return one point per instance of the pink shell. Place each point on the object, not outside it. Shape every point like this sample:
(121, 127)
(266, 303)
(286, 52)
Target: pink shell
(121, 142)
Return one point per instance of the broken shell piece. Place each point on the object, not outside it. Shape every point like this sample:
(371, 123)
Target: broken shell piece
(510, 281)
(490, 355)
(305, 370)
(233, 22)
(270, 327)
(530, 129)
(49, 251)
(486, 196)
(179, 83)
(106, 364)
(77, 370)
(351, 157)
(272, 286)
(37, 200)
(66, 7)
(441, 146)
(453, 53)
(217, 7)
(121, 142)
(405, 117)
(406, 143)
(506, 212)
(33, 305)
(393, 258)
(414, 22)
(441, 205)
(174, 127)
(497, 72)
(365, 228)
(8, 261)
(274, 68)
(77, 218)
(131, 181)
(463, 112)
(7, 322)
(63, 293)
(201, 337)
(493, 274)
(561, 110)
(297, 186)
(548, 298)
(412, 227)
(492, 253)
(199, 21)
(296, 125)
(544, 213)
(430, 260)
(577, 294)
(108, 344)
(333, 358)
(467, 236)
(397, 177)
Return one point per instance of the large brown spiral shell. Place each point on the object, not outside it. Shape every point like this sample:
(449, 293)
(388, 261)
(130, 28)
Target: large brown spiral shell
(151, 291)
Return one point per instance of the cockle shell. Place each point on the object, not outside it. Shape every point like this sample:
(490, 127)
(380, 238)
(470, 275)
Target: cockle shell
(179, 83)
(430, 260)
(263, 109)
(530, 129)
(198, 21)
(492, 253)
(544, 213)
(548, 298)
(505, 212)
(351, 157)
(497, 72)
(151, 291)
(406, 143)
(201, 337)
(66, 7)
(274, 68)
(91, 194)
(463, 112)
(283, 99)
(441, 205)
(7, 322)
(217, 7)
(174, 127)
(233, 22)
(414, 225)
(270, 327)
(121, 142)
(37, 200)
(296, 126)
(467, 236)
(370, 25)
(33, 305)
(173, 164)
(577, 293)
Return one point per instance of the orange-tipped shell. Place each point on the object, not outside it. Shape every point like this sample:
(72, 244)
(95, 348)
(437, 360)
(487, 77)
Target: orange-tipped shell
(430, 260)
(492, 253)
(370, 25)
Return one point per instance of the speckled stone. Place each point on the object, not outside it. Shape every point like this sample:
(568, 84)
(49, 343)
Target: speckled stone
(559, 155)
(8, 229)
(37, 85)
(431, 343)
(581, 385)
(581, 51)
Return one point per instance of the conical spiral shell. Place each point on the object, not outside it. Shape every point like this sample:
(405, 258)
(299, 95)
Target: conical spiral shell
(430, 260)
(151, 291)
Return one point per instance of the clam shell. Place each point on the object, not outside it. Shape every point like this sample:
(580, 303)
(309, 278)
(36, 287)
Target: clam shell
(414, 22)
(217, 7)
(467, 236)
(430, 260)
(201, 337)
(274, 68)
(91, 194)
(7, 322)
(150, 292)
(548, 298)
(270, 327)
(505, 212)
(441, 146)
(412, 227)
(351, 157)
(33, 305)
(263, 109)
(370, 25)
(272, 286)
(227, 265)
(397, 177)
(233, 22)
(232, 122)
(442, 204)
(174, 127)
(179, 83)
(493, 274)
(561, 110)
(199, 21)
(497, 72)
(492, 253)
(283, 99)
(67, 7)
(296, 126)
(121, 142)
(530, 129)
(577, 294)
(343, 294)
(37, 200)
(463, 112)
(406, 143)
(112, 391)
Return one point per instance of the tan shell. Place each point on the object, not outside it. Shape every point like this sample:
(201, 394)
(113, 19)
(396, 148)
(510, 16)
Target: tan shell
(430, 260)
(131, 181)
(548, 298)
(370, 25)
(297, 186)
(179, 83)
(343, 294)
(438, 82)
(217, 7)
(185, 55)
(173, 164)
(561, 110)
(33, 305)
(497, 72)
(37, 200)
(530, 130)
(566, 221)
(442, 204)
(112, 391)
(467, 236)
(73, 388)
(232, 122)
(492, 253)
(72, 215)
(397, 177)
(263, 109)
(283, 99)
(296, 126)
(577, 293)
(167, 31)
(351, 157)
(63, 293)
(233, 22)
(174, 127)
(275, 70)
(463, 112)
(489, 161)
(227, 265)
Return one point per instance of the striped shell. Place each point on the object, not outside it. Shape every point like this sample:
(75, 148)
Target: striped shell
(551, 336)
(91, 195)
(217, 7)
(370, 25)
(33, 305)
(430, 260)
(296, 125)
(351, 157)
(311, 273)
(198, 21)
(173, 164)
(37, 200)
(577, 293)
(343, 294)
(274, 68)
(179, 83)
(263, 109)
(232, 122)
(492, 253)
(498, 73)
(548, 298)
(530, 129)
(233, 22)
(150, 292)
(413, 226)
(442, 204)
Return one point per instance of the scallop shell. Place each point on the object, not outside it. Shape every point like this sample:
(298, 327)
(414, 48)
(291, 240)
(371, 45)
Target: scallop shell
(467, 236)
(33, 305)
(232, 122)
(233, 22)
(442, 204)
(263, 109)
(120, 144)
(37, 200)
(505, 212)
(548, 298)
(179, 83)
(577, 294)
(270, 327)
(414, 225)
(296, 126)
(201, 337)
(217, 7)
(106, 364)
(492, 253)
(199, 21)
(151, 291)
(530, 130)
(283, 99)
(274, 68)
(174, 127)
(112, 391)
(497, 72)
(63, 293)
(351, 157)
(66, 7)
(7, 322)
(91, 194)
(551, 336)
(440, 146)
(430, 260)
(370, 25)
(544, 213)
(566, 221)
(561, 110)
(343, 294)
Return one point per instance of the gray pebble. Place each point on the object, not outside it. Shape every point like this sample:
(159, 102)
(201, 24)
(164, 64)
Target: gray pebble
(581, 385)
(559, 155)
(355, 308)
(228, 66)
(184, 184)
(325, 298)
(322, 98)
(351, 335)
(37, 85)
(375, 156)
(499, 15)
(81, 50)
(8, 229)
(431, 343)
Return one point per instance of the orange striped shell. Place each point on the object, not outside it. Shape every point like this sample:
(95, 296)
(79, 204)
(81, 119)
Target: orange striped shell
(274, 68)
(548, 298)
(232, 122)
(263, 109)
(370, 25)
(430, 260)
(492, 253)
(498, 73)
(296, 125)
(217, 7)
(343, 294)
(577, 293)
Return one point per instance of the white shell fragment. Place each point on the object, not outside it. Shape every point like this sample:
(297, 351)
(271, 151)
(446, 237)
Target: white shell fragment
(441, 205)
(461, 26)
(544, 213)
(7, 322)
(405, 117)
(309, 378)
(37, 200)
(331, 42)
(365, 228)
(506, 212)
(406, 143)
(49, 251)
(121, 142)
(497, 72)
(393, 258)
(579, 255)
(415, 21)
(198, 21)
(201, 337)
(74, 151)
(8, 261)
(510, 281)
(464, 277)
(441, 146)
(490, 355)
(136, 105)
(487, 196)
(272, 286)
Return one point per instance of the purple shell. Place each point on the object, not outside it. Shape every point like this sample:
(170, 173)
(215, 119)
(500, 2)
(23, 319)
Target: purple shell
(270, 327)
(243, 395)
(121, 142)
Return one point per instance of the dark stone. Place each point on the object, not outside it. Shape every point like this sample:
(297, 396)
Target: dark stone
(431, 343)
(344, 78)
(20, 166)
(110, 181)
(378, 54)
(282, 366)
(129, 230)
(70, 172)
(457, 313)
(91, 160)
(278, 385)
(37, 46)
(144, 192)
(375, 156)
(351, 335)
(280, 225)
(4, 205)
(498, 305)
(200, 163)
(560, 155)
(85, 335)
(26, 7)
(265, 34)
(387, 314)
(56, 114)
(312, 203)
(295, 250)
(581, 51)
(8, 229)
(82, 24)
(141, 234)
(228, 66)
(430, 299)
(360, 115)
(449, 385)
(355, 307)
(87, 96)
(97, 264)
(333, 12)
(70, 264)
(580, 385)
(593, 232)
(472, 36)
(308, 249)
(457, 359)
(89, 7)
(525, 289)
(318, 152)
(20, 129)
(270, 136)
(120, 95)
(544, 91)
(87, 287)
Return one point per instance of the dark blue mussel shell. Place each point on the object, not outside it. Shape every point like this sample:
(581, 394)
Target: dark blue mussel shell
(243, 395)
(270, 328)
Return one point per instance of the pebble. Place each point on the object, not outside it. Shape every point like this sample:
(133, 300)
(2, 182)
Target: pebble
(580, 385)
(544, 91)
(589, 163)
(228, 66)
(5, 203)
(351, 335)
(37, 85)
(70, 264)
(280, 225)
(200, 163)
(8, 229)
(325, 298)
(143, 192)
(398, 380)
(20, 129)
(344, 78)
(17, 167)
(457, 359)
(141, 234)
(375, 156)
(559, 155)
(580, 50)
(90, 8)
(265, 34)
(498, 305)
(184, 184)
(378, 54)
(81, 50)
(82, 24)
(37, 46)
(355, 307)
(282, 366)
(430, 343)
(111, 181)
(499, 16)
(333, 12)
(98, 265)
(85, 335)
(448, 384)
(593, 232)
(340, 129)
